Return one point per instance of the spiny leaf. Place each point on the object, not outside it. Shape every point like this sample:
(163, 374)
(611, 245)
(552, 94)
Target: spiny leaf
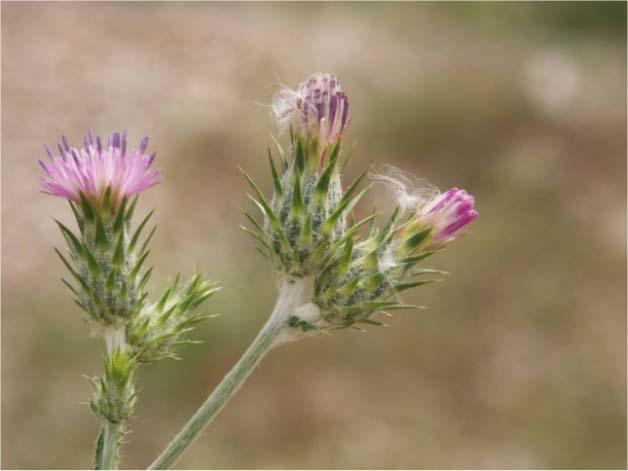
(101, 233)
(347, 289)
(306, 236)
(404, 286)
(106, 199)
(416, 239)
(91, 260)
(138, 265)
(299, 156)
(276, 181)
(71, 239)
(417, 258)
(70, 286)
(148, 239)
(389, 228)
(282, 155)
(323, 183)
(424, 271)
(111, 280)
(254, 221)
(260, 196)
(164, 299)
(138, 231)
(85, 207)
(343, 206)
(145, 278)
(257, 237)
(352, 187)
(119, 219)
(74, 273)
(118, 255)
(129, 213)
(77, 215)
(297, 199)
(369, 321)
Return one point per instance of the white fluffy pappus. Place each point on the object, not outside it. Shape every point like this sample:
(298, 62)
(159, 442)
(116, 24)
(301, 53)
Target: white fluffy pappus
(409, 191)
(284, 106)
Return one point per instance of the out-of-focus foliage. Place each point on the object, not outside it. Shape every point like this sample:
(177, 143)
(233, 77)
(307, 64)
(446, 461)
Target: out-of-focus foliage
(520, 360)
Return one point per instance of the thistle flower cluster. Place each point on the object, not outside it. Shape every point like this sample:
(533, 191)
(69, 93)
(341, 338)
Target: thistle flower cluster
(107, 263)
(358, 269)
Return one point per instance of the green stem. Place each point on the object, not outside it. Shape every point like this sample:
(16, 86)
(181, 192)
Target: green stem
(108, 446)
(290, 297)
(109, 442)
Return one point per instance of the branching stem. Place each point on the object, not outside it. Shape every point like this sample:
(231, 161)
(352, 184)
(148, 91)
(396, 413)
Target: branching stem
(291, 295)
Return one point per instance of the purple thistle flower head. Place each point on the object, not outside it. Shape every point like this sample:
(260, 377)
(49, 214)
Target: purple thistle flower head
(318, 106)
(448, 213)
(93, 168)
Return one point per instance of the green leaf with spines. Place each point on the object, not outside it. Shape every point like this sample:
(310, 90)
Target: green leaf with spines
(164, 299)
(409, 261)
(307, 236)
(118, 254)
(389, 228)
(352, 187)
(73, 242)
(273, 171)
(129, 213)
(260, 238)
(86, 208)
(77, 215)
(282, 155)
(138, 231)
(111, 280)
(414, 241)
(298, 206)
(65, 282)
(404, 286)
(92, 264)
(118, 222)
(138, 265)
(254, 221)
(299, 156)
(343, 206)
(148, 239)
(100, 237)
(106, 199)
(145, 279)
(366, 320)
(322, 187)
(348, 288)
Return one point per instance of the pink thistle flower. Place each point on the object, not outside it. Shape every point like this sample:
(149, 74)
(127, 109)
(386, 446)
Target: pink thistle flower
(318, 105)
(93, 168)
(448, 213)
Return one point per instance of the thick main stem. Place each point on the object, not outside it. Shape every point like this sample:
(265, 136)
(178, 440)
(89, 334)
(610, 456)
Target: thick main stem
(109, 455)
(290, 296)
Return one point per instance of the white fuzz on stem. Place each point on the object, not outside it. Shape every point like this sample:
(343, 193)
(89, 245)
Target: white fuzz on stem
(115, 339)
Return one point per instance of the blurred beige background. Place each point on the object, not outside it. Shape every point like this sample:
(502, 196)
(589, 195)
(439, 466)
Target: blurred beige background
(520, 360)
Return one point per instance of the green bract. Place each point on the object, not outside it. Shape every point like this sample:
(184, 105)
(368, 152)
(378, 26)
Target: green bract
(366, 276)
(107, 261)
(114, 396)
(305, 220)
(158, 329)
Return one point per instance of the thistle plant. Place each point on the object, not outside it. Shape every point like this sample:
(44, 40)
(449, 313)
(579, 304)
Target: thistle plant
(332, 272)
(106, 259)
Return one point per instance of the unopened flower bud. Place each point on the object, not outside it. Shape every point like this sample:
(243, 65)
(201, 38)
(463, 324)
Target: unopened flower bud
(319, 108)
(305, 220)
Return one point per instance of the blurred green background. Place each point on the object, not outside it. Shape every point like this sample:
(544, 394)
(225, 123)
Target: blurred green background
(520, 360)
